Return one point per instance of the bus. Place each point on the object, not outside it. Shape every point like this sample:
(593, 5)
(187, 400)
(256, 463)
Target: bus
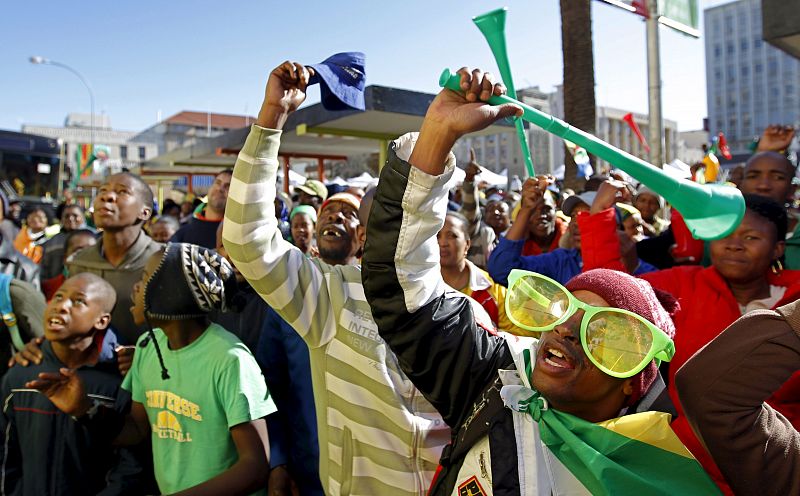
(29, 165)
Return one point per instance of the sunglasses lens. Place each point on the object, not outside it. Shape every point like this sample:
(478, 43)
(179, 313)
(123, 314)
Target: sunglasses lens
(534, 302)
(617, 341)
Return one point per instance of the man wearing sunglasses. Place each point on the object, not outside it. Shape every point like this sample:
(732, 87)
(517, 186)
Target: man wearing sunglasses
(524, 413)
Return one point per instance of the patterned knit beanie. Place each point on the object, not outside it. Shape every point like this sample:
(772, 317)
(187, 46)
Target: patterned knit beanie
(636, 295)
(190, 282)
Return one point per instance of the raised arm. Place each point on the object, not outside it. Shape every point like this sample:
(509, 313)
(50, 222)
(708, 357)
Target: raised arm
(434, 333)
(723, 389)
(470, 196)
(507, 255)
(278, 271)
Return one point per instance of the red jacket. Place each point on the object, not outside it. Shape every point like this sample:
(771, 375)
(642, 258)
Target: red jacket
(707, 307)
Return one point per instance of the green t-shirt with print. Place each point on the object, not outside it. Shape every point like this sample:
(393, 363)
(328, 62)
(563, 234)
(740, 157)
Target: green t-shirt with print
(215, 384)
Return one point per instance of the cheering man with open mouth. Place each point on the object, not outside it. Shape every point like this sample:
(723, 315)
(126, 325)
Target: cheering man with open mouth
(571, 413)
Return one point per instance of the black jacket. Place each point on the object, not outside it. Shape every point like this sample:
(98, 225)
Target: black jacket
(48, 452)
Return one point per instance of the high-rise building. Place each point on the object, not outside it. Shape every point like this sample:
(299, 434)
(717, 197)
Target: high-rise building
(750, 84)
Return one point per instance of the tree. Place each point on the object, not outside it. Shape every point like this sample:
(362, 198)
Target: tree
(579, 102)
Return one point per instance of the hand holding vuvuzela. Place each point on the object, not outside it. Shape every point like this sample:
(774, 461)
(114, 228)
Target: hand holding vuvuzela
(452, 114)
(710, 211)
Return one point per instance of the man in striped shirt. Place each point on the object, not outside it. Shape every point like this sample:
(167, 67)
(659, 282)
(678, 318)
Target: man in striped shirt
(377, 434)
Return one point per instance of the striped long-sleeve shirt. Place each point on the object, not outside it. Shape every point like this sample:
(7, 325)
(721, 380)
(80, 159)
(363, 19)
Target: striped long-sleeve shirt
(377, 434)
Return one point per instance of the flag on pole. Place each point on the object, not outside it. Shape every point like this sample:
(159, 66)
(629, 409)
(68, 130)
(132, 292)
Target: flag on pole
(84, 157)
(628, 118)
(640, 8)
(723, 146)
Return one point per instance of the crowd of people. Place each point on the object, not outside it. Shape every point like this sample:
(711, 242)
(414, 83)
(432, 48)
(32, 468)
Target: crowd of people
(421, 337)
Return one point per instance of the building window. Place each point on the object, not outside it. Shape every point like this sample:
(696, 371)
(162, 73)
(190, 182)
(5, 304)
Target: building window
(123, 152)
(729, 72)
(744, 44)
(759, 68)
(772, 67)
(717, 50)
(141, 153)
(745, 71)
(729, 48)
(729, 24)
(757, 42)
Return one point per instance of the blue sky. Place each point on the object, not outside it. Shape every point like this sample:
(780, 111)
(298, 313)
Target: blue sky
(144, 57)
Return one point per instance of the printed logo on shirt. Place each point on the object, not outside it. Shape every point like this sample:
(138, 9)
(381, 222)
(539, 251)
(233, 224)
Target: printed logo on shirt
(168, 427)
(364, 335)
(471, 487)
(173, 403)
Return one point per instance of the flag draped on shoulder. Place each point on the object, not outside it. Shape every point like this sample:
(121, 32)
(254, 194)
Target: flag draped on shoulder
(633, 454)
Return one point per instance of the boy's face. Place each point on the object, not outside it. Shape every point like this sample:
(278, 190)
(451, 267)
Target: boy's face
(138, 289)
(36, 220)
(71, 218)
(118, 204)
(75, 311)
(79, 242)
(161, 232)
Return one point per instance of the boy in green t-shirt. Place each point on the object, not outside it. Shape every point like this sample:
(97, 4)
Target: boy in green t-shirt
(197, 390)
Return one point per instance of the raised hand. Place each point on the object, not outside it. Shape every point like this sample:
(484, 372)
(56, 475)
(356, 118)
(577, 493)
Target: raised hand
(65, 389)
(32, 352)
(124, 358)
(533, 191)
(459, 114)
(451, 115)
(286, 91)
(610, 192)
(473, 168)
(776, 138)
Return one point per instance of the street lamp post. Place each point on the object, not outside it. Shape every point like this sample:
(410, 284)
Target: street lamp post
(38, 60)
(41, 60)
